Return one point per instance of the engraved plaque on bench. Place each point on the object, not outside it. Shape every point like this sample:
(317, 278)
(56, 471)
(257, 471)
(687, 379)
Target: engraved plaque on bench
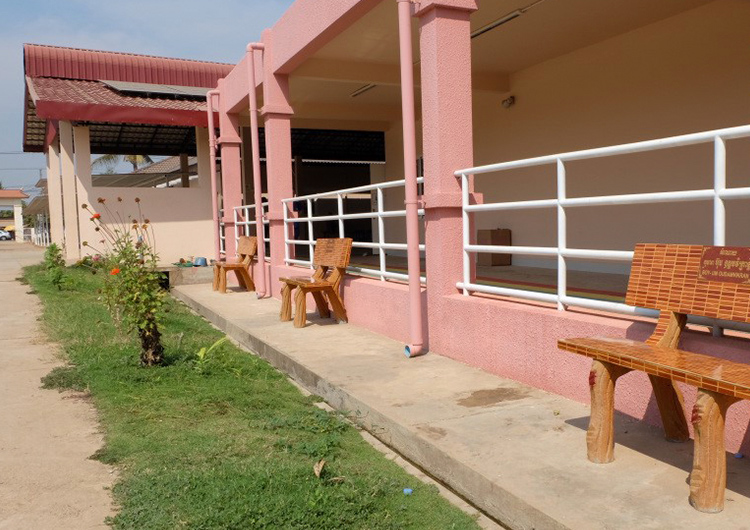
(725, 264)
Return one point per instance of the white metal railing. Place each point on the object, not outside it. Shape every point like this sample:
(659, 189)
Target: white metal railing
(718, 194)
(222, 234)
(244, 218)
(380, 213)
(40, 234)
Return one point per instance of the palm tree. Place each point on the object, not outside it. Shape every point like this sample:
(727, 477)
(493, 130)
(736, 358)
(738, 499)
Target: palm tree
(109, 162)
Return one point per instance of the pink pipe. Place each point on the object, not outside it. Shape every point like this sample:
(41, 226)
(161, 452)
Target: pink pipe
(260, 285)
(410, 173)
(212, 155)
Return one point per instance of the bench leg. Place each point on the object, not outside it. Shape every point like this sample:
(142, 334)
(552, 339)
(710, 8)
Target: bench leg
(249, 283)
(322, 304)
(216, 278)
(222, 280)
(708, 479)
(240, 279)
(337, 305)
(300, 308)
(600, 437)
(671, 408)
(286, 303)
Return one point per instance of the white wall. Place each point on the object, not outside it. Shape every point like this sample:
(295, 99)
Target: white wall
(181, 217)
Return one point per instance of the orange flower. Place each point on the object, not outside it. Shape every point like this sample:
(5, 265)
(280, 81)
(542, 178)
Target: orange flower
(96, 216)
(114, 271)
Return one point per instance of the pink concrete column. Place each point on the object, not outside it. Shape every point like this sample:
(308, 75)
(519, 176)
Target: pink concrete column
(445, 48)
(231, 170)
(277, 115)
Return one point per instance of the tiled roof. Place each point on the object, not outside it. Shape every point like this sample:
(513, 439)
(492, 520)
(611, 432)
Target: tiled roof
(65, 84)
(168, 165)
(13, 194)
(75, 63)
(96, 93)
(76, 100)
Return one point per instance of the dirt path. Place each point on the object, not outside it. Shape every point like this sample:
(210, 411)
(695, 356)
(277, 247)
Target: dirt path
(46, 478)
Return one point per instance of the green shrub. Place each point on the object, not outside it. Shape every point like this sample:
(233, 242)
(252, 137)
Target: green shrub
(132, 286)
(54, 264)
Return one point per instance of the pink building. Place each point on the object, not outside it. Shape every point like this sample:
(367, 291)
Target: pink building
(500, 108)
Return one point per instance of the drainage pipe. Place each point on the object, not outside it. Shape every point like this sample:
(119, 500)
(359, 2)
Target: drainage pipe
(212, 157)
(260, 285)
(410, 174)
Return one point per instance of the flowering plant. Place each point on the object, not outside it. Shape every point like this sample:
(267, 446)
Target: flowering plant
(132, 289)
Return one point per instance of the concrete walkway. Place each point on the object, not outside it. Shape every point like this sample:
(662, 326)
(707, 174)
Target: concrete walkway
(517, 453)
(47, 480)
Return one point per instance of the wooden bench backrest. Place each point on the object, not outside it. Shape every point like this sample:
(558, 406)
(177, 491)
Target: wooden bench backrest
(247, 247)
(687, 279)
(332, 254)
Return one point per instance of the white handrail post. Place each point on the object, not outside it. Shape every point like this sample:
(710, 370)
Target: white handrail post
(720, 212)
(310, 240)
(236, 233)
(340, 206)
(381, 234)
(285, 213)
(466, 231)
(266, 222)
(720, 184)
(562, 239)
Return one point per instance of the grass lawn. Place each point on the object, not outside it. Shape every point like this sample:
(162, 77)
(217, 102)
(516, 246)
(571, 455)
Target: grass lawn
(228, 444)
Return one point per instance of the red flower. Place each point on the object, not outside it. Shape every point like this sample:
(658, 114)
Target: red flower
(114, 272)
(96, 216)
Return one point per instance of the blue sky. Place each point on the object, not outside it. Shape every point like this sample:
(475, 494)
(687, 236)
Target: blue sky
(173, 28)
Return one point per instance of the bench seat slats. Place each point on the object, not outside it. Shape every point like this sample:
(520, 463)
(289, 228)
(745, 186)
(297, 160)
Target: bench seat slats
(702, 371)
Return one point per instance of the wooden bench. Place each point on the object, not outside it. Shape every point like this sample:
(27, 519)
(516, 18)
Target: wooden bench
(678, 280)
(331, 259)
(247, 247)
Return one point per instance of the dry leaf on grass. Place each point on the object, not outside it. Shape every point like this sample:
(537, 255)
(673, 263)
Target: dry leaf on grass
(318, 468)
